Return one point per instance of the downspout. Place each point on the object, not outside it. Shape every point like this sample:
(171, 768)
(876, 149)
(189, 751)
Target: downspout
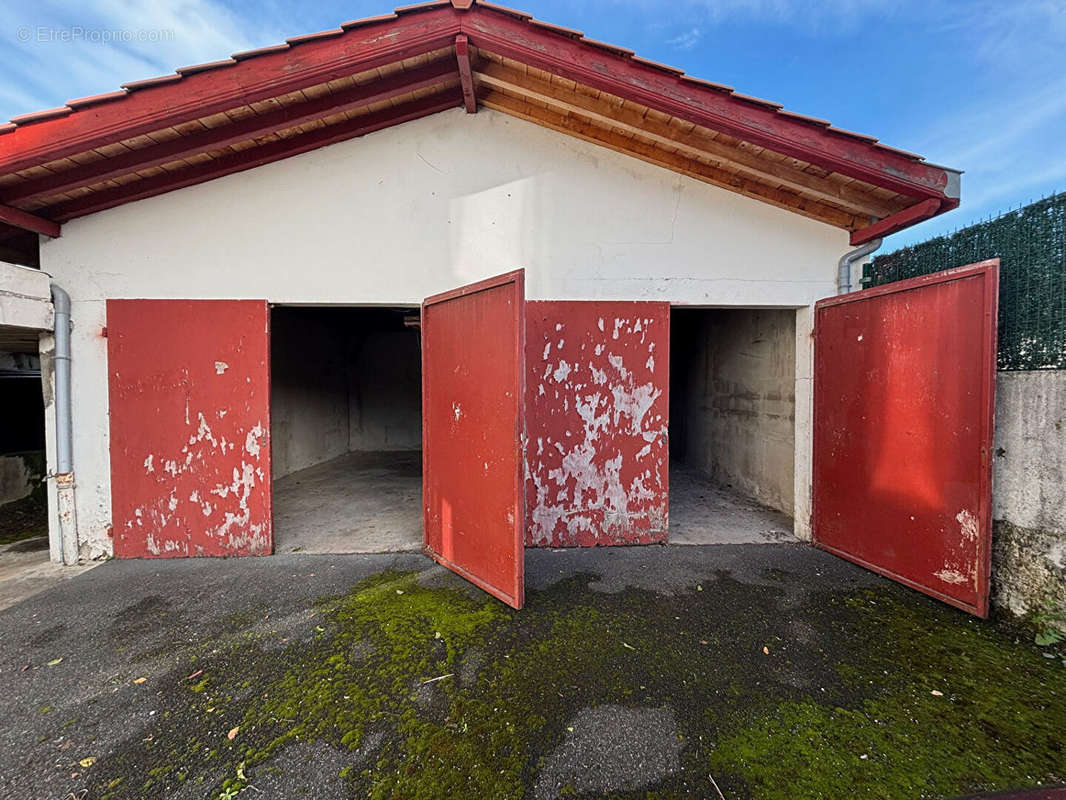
(68, 527)
(849, 258)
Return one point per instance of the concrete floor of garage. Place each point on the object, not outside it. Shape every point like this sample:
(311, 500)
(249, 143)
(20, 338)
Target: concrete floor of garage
(372, 503)
(653, 672)
(357, 503)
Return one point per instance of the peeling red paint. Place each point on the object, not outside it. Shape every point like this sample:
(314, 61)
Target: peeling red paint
(597, 455)
(190, 451)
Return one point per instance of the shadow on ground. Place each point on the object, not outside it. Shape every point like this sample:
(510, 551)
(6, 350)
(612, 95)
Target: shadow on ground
(769, 672)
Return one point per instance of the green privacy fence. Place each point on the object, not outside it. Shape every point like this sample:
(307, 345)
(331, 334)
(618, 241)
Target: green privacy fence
(1031, 243)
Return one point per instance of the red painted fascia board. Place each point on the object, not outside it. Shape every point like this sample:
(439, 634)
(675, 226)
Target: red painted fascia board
(216, 90)
(258, 156)
(898, 221)
(504, 35)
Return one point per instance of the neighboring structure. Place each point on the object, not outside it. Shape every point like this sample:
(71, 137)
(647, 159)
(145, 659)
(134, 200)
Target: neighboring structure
(1030, 456)
(200, 210)
(25, 336)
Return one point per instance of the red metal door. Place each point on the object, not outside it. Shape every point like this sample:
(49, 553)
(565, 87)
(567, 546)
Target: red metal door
(473, 421)
(189, 389)
(597, 405)
(904, 381)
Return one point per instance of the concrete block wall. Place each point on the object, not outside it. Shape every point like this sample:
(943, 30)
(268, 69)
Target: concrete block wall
(1029, 492)
(738, 406)
(340, 383)
(385, 388)
(308, 389)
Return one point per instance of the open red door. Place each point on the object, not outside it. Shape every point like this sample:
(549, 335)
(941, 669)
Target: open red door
(189, 386)
(473, 421)
(904, 383)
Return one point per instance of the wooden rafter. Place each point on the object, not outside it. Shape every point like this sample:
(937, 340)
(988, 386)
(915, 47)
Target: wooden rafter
(257, 156)
(896, 222)
(664, 91)
(225, 135)
(462, 55)
(692, 143)
(18, 218)
(814, 209)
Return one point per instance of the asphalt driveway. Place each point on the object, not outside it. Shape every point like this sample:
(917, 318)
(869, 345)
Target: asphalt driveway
(771, 671)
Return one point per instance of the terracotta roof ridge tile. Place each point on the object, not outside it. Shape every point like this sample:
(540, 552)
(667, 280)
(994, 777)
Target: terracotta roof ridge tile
(244, 55)
(333, 33)
(39, 116)
(205, 67)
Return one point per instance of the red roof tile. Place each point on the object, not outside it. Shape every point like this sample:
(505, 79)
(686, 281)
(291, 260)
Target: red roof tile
(314, 37)
(40, 116)
(83, 102)
(195, 68)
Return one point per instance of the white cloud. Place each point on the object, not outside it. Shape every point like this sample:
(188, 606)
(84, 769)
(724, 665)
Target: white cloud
(53, 53)
(686, 40)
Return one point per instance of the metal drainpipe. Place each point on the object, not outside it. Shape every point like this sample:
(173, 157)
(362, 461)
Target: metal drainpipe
(849, 258)
(68, 526)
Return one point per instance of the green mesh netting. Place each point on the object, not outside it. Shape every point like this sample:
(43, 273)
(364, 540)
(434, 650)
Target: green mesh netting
(1031, 243)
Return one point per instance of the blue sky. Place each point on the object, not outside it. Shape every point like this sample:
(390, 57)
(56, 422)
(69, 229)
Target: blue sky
(979, 85)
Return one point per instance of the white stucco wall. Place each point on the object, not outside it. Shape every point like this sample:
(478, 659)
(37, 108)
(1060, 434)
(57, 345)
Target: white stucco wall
(414, 210)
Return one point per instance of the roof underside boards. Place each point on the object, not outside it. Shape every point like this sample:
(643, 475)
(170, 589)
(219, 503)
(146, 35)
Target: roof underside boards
(215, 119)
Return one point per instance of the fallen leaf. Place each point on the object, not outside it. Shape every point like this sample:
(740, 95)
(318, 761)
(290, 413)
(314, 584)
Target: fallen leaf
(936, 693)
(140, 680)
(704, 641)
(195, 674)
(54, 661)
(766, 651)
(631, 647)
(240, 772)
(233, 733)
(399, 591)
(88, 762)
(699, 587)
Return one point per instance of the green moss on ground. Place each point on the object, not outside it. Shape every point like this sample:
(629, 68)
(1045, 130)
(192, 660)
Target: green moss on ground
(941, 705)
(770, 702)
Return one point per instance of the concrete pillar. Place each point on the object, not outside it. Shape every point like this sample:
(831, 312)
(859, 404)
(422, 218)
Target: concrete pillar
(804, 421)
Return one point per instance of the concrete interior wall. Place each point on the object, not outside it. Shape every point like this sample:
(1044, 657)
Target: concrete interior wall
(732, 399)
(385, 388)
(342, 380)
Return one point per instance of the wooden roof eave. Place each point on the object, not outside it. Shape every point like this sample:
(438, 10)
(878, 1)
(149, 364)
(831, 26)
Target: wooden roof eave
(690, 126)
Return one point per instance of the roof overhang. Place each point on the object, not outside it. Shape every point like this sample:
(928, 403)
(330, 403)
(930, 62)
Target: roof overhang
(256, 107)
